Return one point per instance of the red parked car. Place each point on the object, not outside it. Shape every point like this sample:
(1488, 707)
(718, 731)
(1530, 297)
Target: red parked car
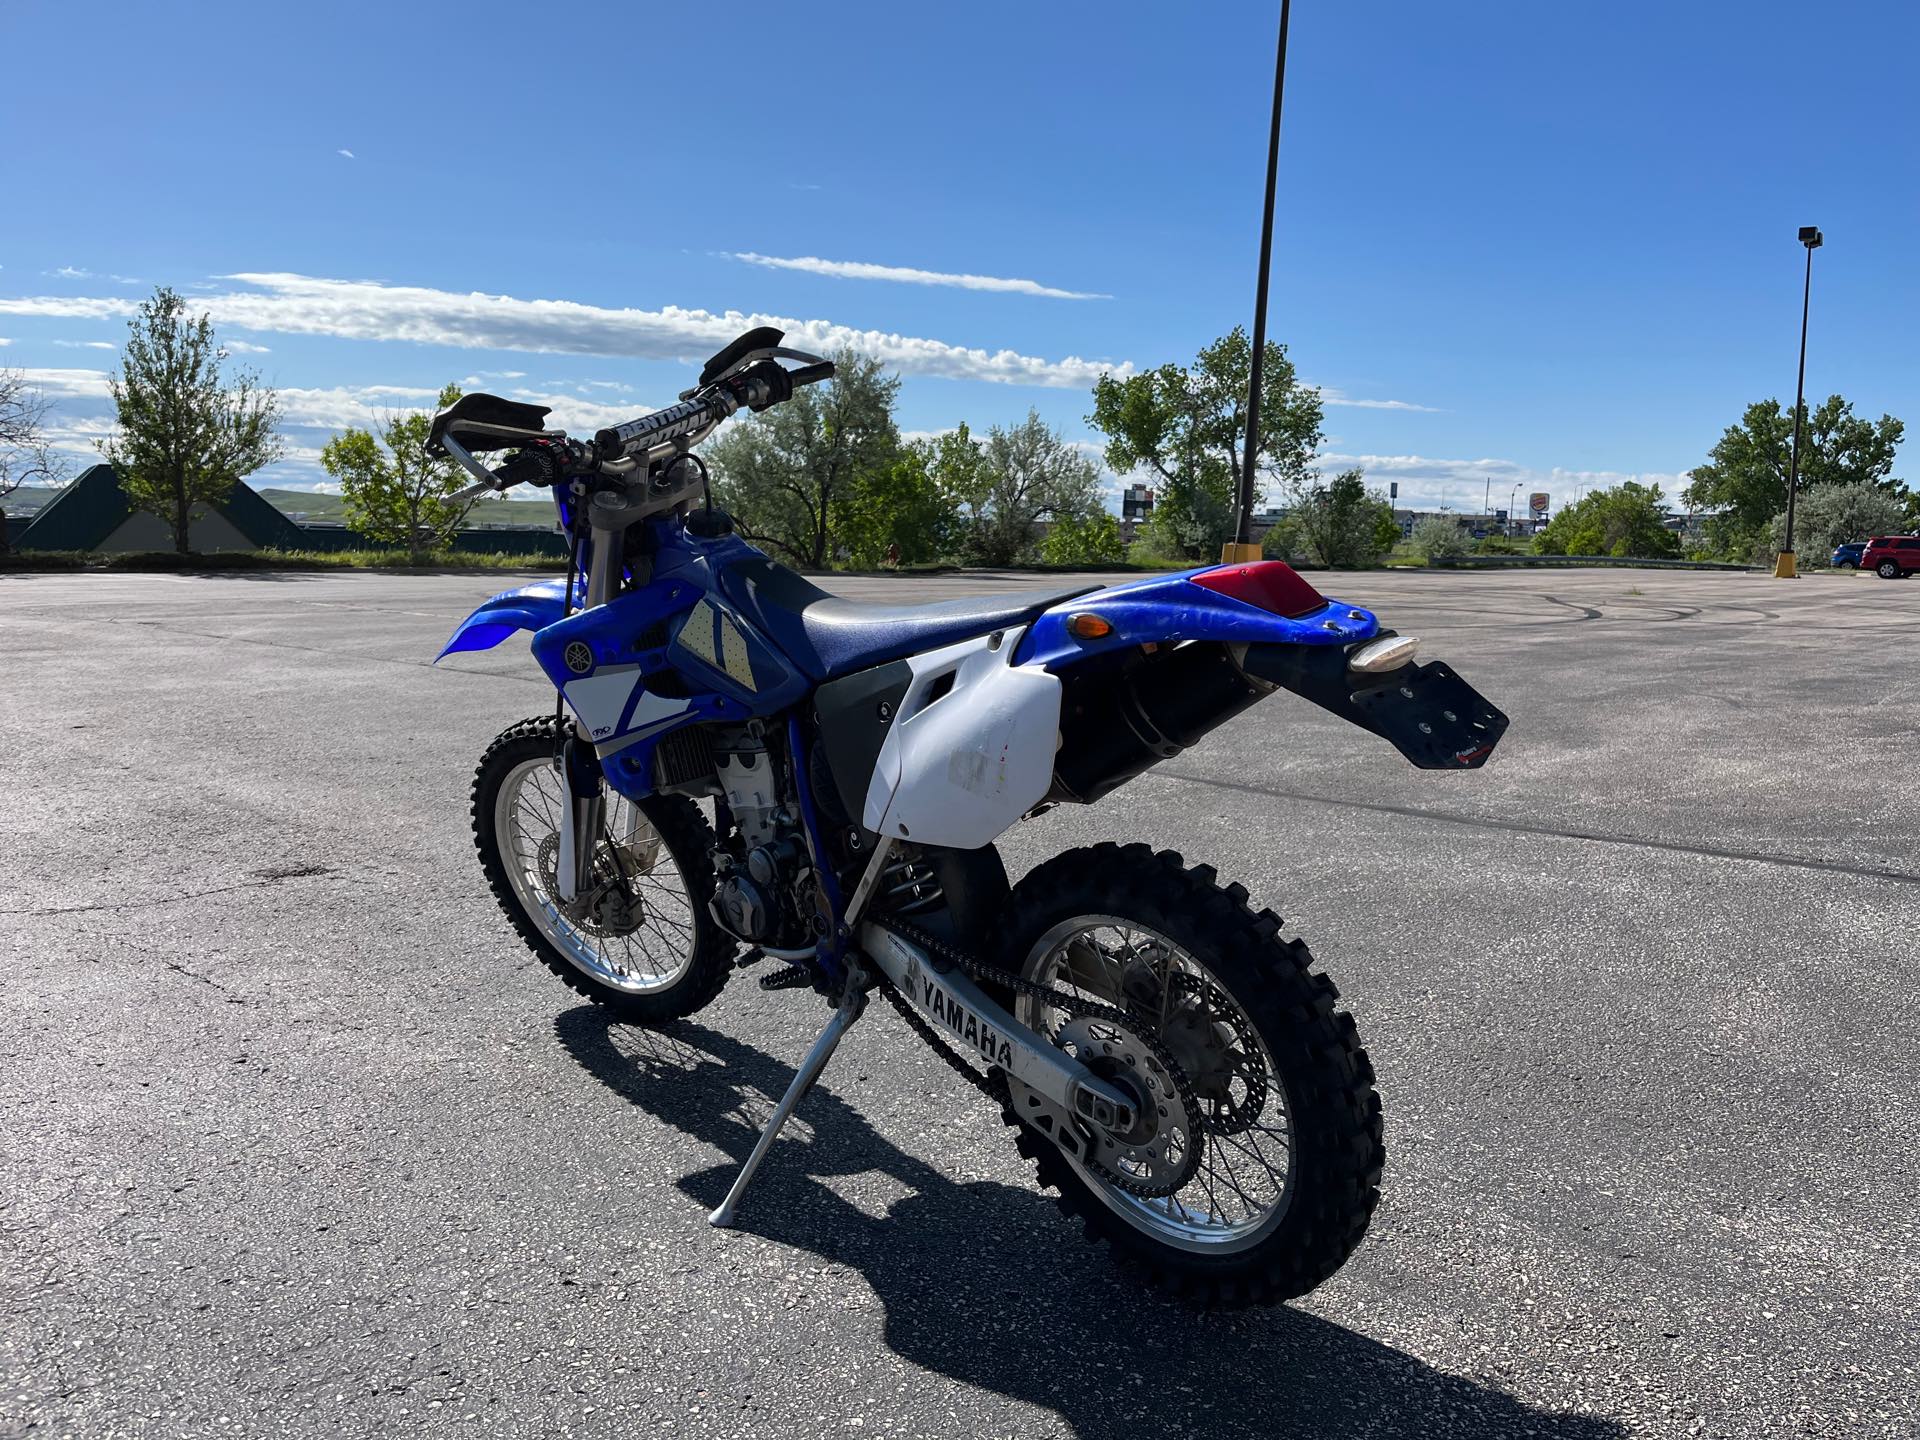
(1891, 556)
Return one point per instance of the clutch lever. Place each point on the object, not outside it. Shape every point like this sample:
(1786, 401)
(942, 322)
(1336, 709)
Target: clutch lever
(474, 492)
(488, 480)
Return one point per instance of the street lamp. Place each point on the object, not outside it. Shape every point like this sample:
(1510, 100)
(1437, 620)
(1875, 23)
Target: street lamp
(1784, 568)
(1241, 548)
(1513, 499)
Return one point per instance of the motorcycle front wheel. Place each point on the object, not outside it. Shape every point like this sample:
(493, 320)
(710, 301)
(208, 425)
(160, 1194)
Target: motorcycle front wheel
(1255, 1167)
(641, 942)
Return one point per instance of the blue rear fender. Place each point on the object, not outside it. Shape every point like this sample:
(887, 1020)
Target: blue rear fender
(531, 607)
(1294, 638)
(1171, 609)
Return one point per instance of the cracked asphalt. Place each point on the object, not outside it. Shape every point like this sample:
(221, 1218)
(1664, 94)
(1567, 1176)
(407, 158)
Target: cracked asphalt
(297, 1139)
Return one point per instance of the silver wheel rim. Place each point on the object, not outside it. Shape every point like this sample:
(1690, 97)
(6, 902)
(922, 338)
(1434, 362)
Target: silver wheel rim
(1245, 1180)
(660, 950)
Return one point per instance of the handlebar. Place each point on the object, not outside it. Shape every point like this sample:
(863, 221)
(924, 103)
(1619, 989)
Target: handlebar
(754, 379)
(757, 385)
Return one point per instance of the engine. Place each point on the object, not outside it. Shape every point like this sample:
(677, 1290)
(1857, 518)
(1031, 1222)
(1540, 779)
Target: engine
(764, 886)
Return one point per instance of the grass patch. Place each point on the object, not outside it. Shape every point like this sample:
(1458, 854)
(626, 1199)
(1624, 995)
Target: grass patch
(43, 560)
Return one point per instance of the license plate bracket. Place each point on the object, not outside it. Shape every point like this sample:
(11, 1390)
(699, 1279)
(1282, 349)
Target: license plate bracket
(1426, 712)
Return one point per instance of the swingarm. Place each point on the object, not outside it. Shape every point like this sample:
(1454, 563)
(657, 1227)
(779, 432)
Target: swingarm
(957, 1005)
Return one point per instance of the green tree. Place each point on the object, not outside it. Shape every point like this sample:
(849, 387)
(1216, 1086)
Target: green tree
(1746, 472)
(1627, 520)
(793, 475)
(1438, 537)
(903, 506)
(1829, 515)
(395, 494)
(185, 436)
(1092, 540)
(1338, 523)
(1024, 475)
(1188, 425)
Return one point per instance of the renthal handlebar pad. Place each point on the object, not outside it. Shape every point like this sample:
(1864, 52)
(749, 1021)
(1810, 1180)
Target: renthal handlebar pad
(661, 426)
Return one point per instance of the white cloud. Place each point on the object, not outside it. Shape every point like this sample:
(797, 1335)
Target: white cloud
(338, 407)
(70, 307)
(245, 347)
(367, 310)
(84, 344)
(1427, 482)
(70, 384)
(1332, 396)
(348, 153)
(4, 340)
(579, 416)
(905, 275)
(69, 272)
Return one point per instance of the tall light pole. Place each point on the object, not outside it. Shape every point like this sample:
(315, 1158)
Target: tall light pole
(1785, 568)
(1241, 548)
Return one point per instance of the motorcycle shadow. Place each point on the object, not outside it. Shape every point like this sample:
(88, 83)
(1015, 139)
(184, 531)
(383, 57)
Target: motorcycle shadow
(987, 1285)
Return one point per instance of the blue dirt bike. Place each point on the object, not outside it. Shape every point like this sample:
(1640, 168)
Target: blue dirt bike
(749, 769)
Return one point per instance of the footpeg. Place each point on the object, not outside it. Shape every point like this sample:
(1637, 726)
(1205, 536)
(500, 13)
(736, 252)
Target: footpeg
(787, 977)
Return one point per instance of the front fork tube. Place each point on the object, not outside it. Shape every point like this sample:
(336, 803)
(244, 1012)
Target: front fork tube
(583, 818)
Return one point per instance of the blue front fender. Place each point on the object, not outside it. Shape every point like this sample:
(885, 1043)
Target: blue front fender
(531, 607)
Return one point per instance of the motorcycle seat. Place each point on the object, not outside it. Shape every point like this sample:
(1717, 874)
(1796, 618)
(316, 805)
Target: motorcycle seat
(827, 636)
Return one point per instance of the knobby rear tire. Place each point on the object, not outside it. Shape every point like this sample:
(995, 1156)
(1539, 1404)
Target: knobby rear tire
(683, 831)
(1327, 1078)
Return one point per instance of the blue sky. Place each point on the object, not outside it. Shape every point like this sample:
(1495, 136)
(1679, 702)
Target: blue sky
(1547, 244)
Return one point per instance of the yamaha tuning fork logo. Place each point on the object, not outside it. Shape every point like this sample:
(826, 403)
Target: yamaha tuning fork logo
(579, 657)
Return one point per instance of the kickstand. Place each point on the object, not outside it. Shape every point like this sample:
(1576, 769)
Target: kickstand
(852, 1004)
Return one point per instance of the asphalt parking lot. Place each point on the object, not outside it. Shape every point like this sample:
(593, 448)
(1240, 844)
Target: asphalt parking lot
(297, 1138)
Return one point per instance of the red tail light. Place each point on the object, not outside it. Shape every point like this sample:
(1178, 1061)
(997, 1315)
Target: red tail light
(1269, 584)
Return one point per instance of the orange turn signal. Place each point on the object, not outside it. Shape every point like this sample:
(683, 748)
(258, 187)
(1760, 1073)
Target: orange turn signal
(1088, 626)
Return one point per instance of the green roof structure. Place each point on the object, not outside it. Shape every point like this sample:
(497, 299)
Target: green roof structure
(92, 514)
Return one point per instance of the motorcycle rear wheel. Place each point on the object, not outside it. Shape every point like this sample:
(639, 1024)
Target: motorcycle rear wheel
(1287, 1117)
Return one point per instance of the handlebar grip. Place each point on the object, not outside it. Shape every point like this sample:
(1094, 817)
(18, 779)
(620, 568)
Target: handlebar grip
(811, 374)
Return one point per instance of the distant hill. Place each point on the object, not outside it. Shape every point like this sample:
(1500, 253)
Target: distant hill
(29, 499)
(311, 508)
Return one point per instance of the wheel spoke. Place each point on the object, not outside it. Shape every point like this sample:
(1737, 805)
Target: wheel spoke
(665, 937)
(1244, 1167)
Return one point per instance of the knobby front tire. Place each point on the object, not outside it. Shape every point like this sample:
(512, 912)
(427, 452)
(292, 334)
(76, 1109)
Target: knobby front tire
(675, 960)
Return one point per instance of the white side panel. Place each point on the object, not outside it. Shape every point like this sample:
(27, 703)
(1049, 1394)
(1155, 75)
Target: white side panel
(958, 768)
(601, 698)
